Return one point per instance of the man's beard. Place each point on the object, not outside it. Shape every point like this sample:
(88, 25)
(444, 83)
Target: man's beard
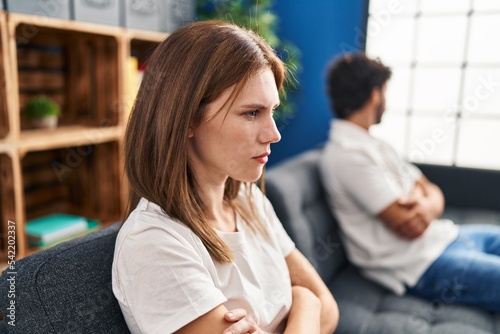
(380, 112)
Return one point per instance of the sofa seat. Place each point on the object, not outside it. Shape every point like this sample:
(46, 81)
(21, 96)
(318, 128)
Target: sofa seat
(367, 308)
(294, 188)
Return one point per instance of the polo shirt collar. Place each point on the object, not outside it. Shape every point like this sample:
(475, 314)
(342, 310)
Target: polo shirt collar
(349, 134)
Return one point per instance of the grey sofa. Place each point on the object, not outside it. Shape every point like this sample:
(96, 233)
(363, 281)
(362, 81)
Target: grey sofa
(365, 308)
(67, 288)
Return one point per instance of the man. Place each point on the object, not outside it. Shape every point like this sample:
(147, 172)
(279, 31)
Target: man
(388, 210)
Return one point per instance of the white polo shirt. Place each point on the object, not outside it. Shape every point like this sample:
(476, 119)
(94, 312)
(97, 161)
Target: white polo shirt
(164, 277)
(362, 176)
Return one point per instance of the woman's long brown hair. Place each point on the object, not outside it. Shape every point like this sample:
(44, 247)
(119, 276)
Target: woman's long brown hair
(187, 71)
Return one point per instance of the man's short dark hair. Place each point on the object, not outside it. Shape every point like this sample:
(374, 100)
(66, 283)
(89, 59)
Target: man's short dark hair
(351, 78)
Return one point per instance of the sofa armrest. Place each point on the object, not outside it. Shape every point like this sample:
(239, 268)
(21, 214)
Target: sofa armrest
(66, 288)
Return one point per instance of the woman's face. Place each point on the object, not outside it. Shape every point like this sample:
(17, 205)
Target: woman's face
(236, 142)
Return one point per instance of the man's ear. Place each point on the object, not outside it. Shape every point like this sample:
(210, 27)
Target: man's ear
(376, 96)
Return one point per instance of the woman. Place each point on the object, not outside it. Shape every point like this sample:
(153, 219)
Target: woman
(203, 239)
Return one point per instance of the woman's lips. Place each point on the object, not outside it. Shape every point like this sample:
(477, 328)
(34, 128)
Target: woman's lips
(262, 159)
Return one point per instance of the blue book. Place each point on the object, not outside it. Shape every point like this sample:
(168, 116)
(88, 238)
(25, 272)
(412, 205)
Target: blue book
(53, 228)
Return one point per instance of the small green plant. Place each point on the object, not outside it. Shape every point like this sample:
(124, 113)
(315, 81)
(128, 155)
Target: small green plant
(41, 107)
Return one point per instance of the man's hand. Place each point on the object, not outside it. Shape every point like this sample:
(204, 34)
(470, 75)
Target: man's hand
(417, 220)
(243, 323)
(409, 217)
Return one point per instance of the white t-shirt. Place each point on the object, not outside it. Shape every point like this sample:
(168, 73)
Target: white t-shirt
(164, 277)
(363, 176)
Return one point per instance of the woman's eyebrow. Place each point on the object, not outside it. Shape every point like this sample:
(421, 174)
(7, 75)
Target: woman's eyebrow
(258, 106)
(254, 105)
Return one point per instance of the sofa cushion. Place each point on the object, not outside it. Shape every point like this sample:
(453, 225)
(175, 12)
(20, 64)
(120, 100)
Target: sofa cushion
(295, 191)
(366, 308)
(67, 288)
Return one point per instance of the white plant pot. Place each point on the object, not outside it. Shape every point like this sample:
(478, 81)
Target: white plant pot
(45, 122)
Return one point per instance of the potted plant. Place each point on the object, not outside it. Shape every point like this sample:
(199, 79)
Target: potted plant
(42, 112)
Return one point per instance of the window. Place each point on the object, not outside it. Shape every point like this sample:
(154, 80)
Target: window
(443, 101)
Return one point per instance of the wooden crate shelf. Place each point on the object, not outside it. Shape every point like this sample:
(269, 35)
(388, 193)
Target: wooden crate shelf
(76, 168)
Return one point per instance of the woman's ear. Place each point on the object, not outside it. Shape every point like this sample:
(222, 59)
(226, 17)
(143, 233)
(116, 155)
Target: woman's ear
(190, 132)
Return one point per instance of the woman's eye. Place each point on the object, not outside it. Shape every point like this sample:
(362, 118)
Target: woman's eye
(252, 113)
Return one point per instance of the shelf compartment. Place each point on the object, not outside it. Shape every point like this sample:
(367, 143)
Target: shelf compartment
(80, 180)
(141, 45)
(79, 69)
(142, 50)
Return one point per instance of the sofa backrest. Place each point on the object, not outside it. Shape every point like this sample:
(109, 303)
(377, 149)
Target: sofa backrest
(463, 187)
(295, 190)
(66, 289)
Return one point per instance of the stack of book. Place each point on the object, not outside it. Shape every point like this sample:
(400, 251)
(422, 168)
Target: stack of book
(52, 229)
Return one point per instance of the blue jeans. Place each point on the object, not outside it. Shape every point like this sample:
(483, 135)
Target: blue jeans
(468, 271)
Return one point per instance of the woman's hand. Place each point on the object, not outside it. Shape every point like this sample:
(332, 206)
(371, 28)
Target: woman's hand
(243, 323)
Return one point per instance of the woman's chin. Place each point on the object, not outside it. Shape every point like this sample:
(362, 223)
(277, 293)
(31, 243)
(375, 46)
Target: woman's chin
(250, 177)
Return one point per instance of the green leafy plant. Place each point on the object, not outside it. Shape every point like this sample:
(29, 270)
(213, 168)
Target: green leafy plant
(41, 107)
(258, 16)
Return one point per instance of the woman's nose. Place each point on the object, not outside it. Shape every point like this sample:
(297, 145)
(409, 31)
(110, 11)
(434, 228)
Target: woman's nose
(270, 133)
